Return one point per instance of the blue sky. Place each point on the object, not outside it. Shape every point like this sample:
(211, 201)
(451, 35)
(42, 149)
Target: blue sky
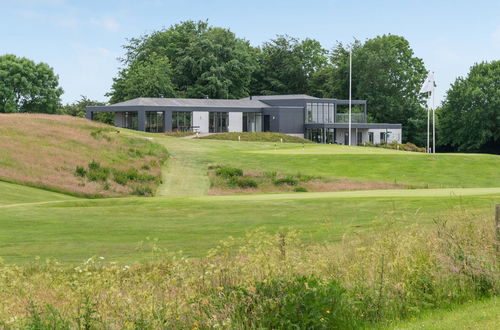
(82, 40)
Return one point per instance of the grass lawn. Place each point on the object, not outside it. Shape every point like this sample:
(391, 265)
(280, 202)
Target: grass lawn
(333, 161)
(74, 230)
(13, 194)
(478, 315)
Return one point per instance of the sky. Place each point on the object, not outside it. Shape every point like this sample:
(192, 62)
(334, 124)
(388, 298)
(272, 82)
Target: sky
(82, 40)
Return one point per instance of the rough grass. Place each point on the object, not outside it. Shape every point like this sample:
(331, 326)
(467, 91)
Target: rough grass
(265, 182)
(179, 134)
(256, 137)
(265, 280)
(45, 151)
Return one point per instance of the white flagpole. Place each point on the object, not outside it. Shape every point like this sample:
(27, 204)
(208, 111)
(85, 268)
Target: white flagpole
(350, 91)
(433, 119)
(428, 126)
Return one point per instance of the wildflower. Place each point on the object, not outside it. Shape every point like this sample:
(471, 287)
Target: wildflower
(327, 312)
(322, 319)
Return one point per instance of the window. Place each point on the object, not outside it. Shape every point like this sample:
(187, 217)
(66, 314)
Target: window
(154, 121)
(382, 137)
(182, 121)
(218, 122)
(370, 137)
(130, 120)
(320, 113)
(252, 122)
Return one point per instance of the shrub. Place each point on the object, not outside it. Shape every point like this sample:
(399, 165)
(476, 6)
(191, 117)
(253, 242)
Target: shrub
(297, 303)
(80, 171)
(93, 165)
(244, 182)
(289, 180)
(300, 189)
(142, 191)
(228, 172)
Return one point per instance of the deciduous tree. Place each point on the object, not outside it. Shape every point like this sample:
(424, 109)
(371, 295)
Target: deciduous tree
(26, 86)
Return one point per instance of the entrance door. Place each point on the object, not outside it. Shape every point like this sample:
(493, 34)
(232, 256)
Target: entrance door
(359, 138)
(267, 123)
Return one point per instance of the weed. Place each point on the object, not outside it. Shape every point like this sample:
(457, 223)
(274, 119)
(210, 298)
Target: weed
(289, 180)
(300, 189)
(228, 172)
(142, 191)
(80, 171)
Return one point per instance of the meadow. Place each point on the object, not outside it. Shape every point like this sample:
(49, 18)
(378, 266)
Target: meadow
(353, 258)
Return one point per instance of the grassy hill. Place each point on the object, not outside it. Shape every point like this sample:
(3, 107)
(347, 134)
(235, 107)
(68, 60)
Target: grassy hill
(76, 156)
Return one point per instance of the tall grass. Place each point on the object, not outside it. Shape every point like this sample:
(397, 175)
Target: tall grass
(263, 281)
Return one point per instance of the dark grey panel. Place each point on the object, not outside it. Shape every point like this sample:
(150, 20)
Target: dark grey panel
(354, 125)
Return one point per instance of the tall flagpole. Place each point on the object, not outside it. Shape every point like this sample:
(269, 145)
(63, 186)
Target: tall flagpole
(350, 91)
(433, 118)
(428, 126)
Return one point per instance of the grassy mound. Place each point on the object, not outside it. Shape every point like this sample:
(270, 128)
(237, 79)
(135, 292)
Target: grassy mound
(77, 156)
(257, 137)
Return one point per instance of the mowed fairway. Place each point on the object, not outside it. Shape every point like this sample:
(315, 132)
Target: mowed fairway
(113, 228)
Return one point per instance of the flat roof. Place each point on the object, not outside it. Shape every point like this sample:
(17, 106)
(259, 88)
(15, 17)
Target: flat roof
(198, 103)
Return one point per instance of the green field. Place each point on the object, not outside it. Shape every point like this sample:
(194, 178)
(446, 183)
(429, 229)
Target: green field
(41, 224)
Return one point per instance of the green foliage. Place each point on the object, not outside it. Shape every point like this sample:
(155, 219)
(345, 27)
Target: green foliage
(243, 182)
(142, 191)
(27, 87)
(289, 180)
(286, 64)
(469, 120)
(296, 303)
(148, 77)
(192, 59)
(77, 108)
(80, 171)
(300, 189)
(228, 172)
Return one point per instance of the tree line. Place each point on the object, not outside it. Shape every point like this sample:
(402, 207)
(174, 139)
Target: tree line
(194, 59)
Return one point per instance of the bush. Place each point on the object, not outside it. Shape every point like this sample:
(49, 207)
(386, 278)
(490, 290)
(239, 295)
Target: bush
(80, 171)
(297, 303)
(228, 172)
(142, 191)
(300, 189)
(289, 180)
(244, 182)
(93, 165)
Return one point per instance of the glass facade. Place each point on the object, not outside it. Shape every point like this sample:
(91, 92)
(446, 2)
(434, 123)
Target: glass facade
(321, 135)
(130, 120)
(182, 121)
(154, 121)
(252, 122)
(320, 113)
(218, 122)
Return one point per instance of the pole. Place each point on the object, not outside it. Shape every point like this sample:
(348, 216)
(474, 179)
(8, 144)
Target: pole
(350, 91)
(497, 226)
(428, 126)
(433, 119)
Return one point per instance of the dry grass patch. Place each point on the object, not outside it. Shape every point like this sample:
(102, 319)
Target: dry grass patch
(45, 150)
(229, 180)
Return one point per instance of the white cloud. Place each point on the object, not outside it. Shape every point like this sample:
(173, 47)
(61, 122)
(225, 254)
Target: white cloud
(107, 23)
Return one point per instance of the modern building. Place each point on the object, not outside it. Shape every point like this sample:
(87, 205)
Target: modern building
(317, 119)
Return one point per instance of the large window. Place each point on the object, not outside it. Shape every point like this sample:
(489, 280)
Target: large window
(252, 122)
(130, 120)
(320, 135)
(154, 121)
(320, 113)
(182, 121)
(218, 122)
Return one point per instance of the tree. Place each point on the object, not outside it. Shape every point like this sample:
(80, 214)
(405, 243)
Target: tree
(286, 65)
(469, 119)
(202, 60)
(150, 77)
(27, 87)
(386, 74)
(78, 109)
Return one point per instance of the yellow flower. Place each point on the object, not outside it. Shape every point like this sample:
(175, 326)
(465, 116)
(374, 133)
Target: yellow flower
(327, 312)
(322, 319)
